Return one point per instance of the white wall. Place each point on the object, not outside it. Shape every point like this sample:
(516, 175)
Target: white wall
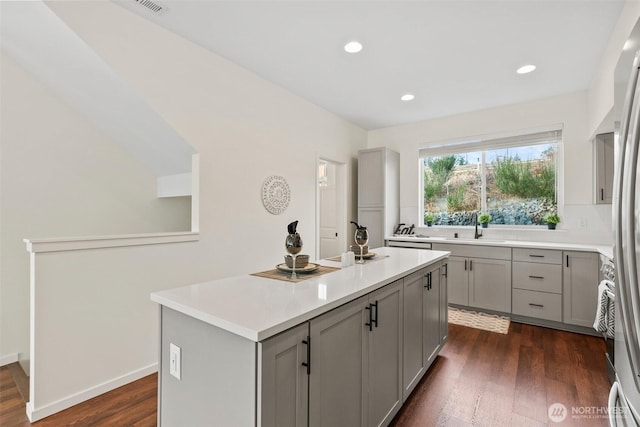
(576, 157)
(601, 90)
(94, 305)
(62, 177)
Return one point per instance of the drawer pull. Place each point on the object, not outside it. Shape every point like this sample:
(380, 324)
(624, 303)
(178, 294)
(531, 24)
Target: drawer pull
(536, 305)
(536, 277)
(536, 256)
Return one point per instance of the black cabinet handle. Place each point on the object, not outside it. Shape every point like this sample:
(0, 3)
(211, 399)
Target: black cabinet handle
(370, 323)
(445, 270)
(428, 277)
(308, 362)
(470, 265)
(567, 260)
(465, 265)
(536, 277)
(375, 319)
(536, 256)
(602, 194)
(536, 305)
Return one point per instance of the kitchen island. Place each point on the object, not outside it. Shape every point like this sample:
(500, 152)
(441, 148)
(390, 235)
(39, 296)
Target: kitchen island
(343, 348)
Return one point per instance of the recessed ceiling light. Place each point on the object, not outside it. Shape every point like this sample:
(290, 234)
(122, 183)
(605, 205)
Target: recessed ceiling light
(526, 69)
(407, 97)
(353, 47)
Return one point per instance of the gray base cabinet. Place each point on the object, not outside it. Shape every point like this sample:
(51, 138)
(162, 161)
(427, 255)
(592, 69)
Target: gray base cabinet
(580, 279)
(458, 281)
(425, 322)
(356, 361)
(284, 388)
(478, 276)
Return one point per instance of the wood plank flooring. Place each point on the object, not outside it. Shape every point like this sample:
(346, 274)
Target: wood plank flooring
(480, 379)
(487, 379)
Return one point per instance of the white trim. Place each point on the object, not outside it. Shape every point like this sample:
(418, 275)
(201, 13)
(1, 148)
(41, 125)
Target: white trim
(9, 358)
(37, 414)
(96, 242)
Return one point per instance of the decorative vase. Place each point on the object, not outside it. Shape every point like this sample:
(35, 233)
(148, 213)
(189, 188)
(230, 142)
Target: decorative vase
(293, 245)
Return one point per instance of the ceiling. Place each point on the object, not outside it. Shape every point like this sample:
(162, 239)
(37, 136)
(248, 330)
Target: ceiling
(454, 56)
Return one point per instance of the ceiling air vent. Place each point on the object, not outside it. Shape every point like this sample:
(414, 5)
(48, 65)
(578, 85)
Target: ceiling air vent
(153, 6)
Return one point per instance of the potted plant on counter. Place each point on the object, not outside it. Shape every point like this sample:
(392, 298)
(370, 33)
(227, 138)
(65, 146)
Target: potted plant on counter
(429, 218)
(484, 219)
(552, 220)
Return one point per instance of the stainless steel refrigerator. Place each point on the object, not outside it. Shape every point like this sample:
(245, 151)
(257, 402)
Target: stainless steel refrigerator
(624, 398)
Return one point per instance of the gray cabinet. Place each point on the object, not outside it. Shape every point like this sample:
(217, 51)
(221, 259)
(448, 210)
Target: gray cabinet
(432, 340)
(580, 277)
(284, 378)
(385, 354)
(356, 361)
(490, 284)
(378, 192)
(603, 160)
(458, 280)
(414, 325)
(478, 276)
(537, 283)
(425, 322)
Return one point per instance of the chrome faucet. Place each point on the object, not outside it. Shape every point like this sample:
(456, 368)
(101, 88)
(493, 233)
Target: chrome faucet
(477, 234)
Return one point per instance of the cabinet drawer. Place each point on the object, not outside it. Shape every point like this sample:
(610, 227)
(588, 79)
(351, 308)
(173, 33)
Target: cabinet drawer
(474, 251)
(537, 277)
(541, 305)
(544, 256)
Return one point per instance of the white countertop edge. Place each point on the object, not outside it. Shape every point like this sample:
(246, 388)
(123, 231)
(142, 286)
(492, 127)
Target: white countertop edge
(584, 247)
(267, 332)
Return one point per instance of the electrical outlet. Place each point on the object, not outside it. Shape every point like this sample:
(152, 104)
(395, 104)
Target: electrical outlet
(583, 222)
(175, 358)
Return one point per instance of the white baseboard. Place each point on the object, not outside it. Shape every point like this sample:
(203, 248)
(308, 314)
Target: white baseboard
(9, 358)
(36, 414)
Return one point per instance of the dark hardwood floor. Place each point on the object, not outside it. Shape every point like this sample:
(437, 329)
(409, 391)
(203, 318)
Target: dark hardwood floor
(487, 379)
(480, 379)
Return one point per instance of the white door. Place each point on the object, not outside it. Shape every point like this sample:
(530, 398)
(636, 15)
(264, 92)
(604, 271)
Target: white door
(328, 210)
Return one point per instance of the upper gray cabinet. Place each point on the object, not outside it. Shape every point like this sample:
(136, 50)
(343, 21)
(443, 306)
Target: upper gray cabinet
(603, 160)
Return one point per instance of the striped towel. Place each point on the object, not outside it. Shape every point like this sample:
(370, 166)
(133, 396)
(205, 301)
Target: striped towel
(605, 310)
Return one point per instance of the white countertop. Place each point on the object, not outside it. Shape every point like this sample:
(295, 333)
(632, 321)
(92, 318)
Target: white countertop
(585, 247)
(257, 308)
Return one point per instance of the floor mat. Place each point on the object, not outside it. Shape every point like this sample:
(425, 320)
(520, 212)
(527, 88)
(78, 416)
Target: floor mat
(479, 320)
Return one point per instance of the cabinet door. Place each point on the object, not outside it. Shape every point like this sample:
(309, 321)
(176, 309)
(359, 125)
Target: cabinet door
(431, 304)
(490, 284)
(458, 280)
(339, 350)
(413, 366)
(284, 388)
(444, 307)
(604, 157)
(373, 219)
(580, 275)
(371, 177)
(385, 354)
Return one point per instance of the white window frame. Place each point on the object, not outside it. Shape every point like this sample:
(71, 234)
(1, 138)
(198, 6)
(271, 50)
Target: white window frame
(544, 135)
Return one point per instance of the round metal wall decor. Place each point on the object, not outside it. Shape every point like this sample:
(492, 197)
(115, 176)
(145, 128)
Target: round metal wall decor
(276, 194)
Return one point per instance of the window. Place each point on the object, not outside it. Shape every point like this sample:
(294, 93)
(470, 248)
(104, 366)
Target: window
(513, 179)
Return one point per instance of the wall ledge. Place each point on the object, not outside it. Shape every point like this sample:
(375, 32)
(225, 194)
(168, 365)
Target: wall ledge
(97, 242)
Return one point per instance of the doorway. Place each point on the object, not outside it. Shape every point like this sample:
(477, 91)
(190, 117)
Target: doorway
(331, 212)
